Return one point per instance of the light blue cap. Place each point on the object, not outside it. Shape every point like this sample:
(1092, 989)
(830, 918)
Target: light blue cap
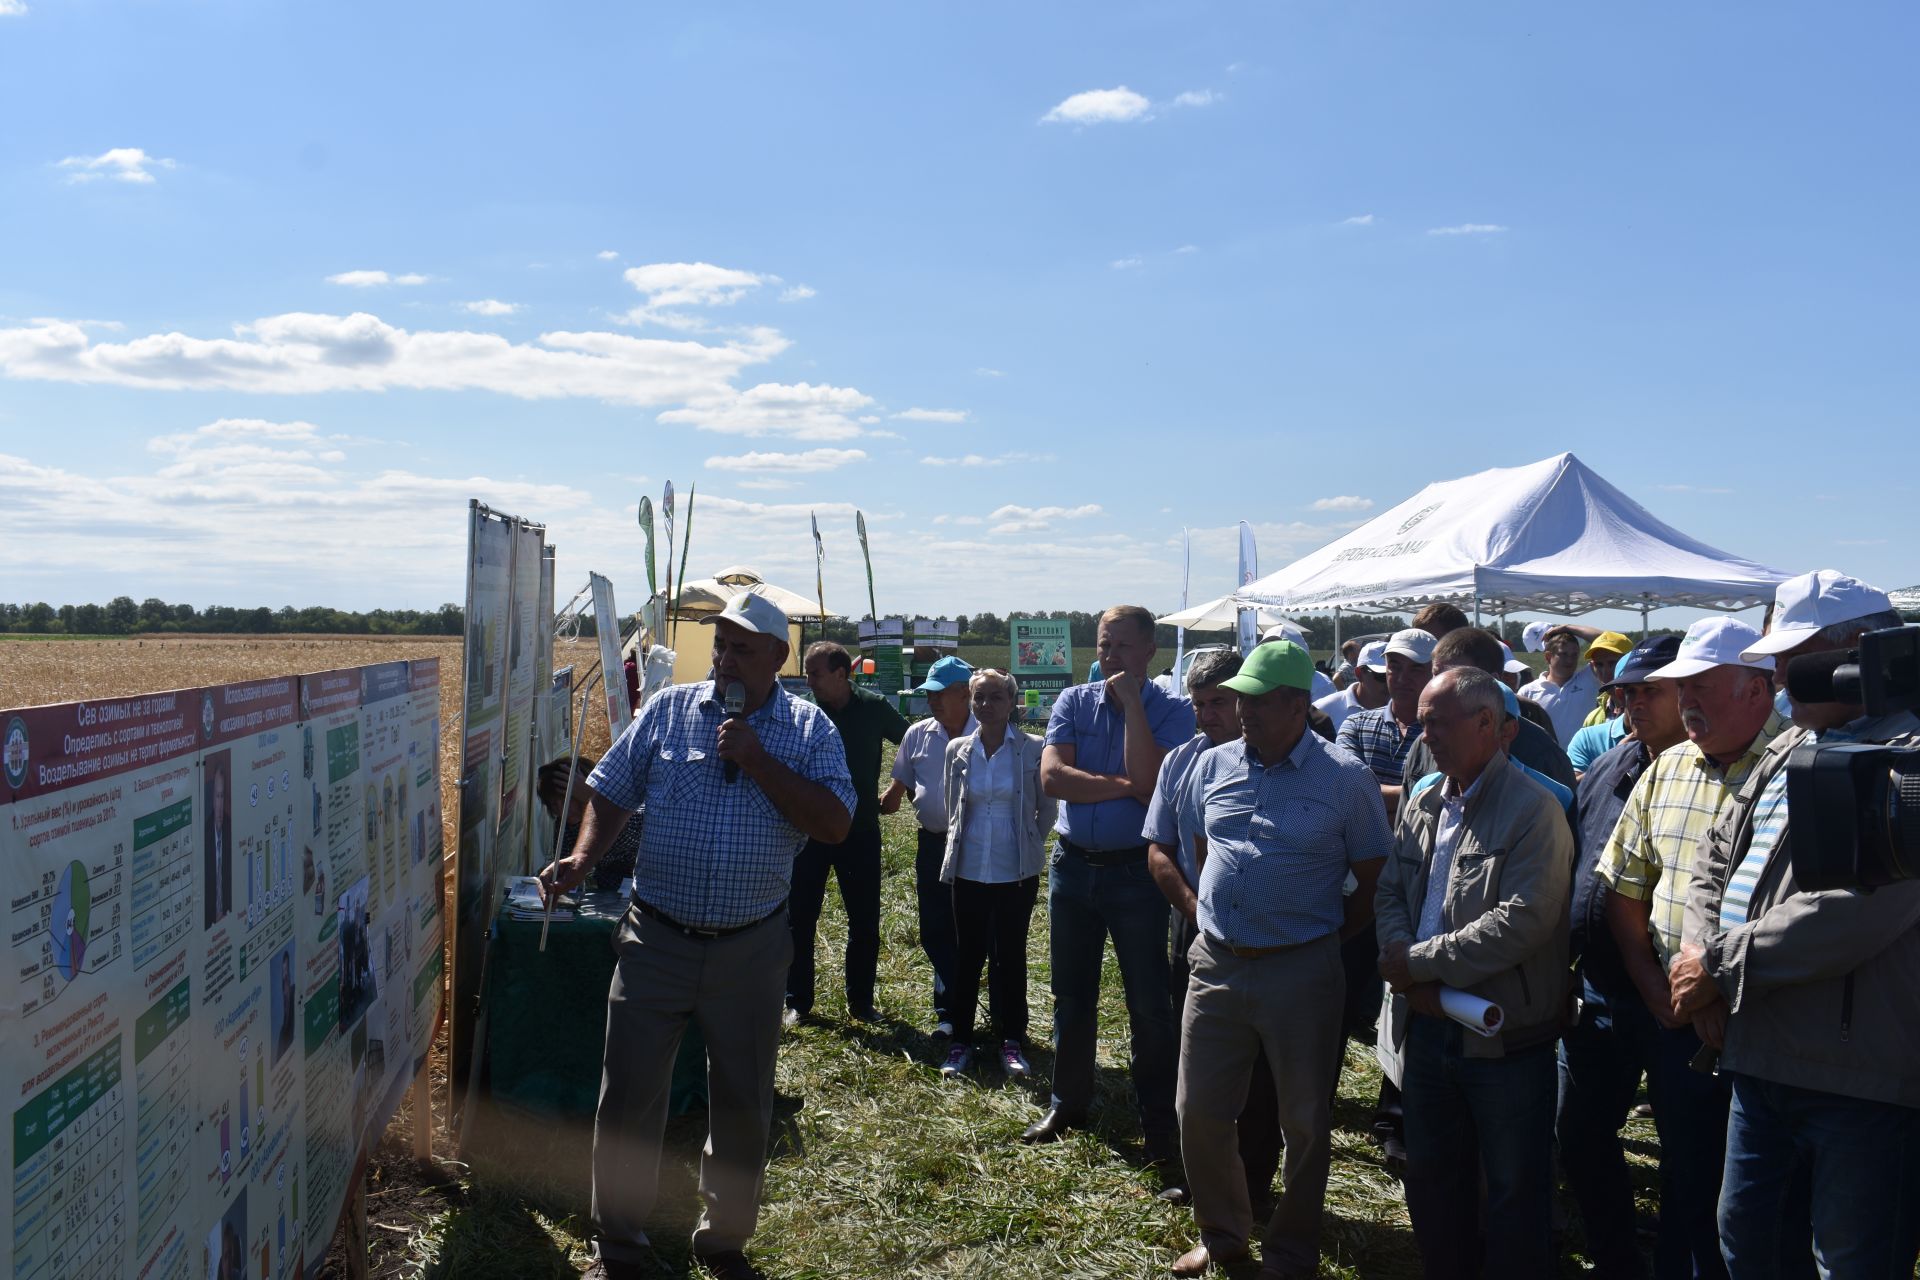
(945, 674)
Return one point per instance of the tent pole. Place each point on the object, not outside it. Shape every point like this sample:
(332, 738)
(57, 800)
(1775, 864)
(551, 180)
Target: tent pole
(1476, 606)
(1336, 635)
(1643, 615)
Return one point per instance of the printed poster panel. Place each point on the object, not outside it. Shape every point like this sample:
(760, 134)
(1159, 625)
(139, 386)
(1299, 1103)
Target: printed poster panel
(1042, 656)
(524, 680)
(489, 602)
(189, 1018)
(613, 672)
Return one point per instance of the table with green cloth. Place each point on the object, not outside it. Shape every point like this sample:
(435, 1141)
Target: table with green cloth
(547, 1013)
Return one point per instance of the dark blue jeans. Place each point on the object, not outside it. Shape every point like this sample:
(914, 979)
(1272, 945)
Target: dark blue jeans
(1490, 1114)
(1601, 1061)
(935, 900)
(1085, 904)
(855, 861)
(1864, 1162)
(1690, 1113)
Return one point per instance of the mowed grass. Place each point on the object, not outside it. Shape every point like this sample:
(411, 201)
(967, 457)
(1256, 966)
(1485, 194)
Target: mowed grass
(878, 1168)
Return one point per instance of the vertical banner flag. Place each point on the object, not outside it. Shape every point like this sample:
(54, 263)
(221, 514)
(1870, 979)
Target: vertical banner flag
(1180, 633)
(666, 519)
(860, 523)
(1248, 617)
(646, 527)
(686, 540)
(819, 568)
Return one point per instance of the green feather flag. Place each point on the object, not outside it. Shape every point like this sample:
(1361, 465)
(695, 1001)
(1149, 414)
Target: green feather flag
(860, 523)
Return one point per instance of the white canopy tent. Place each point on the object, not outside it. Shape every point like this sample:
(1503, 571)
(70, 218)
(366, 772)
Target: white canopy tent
(710, 595)
(1219, 615)
(1550, 537)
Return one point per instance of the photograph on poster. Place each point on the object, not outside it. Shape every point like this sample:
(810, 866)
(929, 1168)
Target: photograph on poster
(218, 837)
(357, 983)
(282, 985)
(226, 1243)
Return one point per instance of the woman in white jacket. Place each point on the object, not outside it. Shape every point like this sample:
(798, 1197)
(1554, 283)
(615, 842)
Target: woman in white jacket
(997, 826)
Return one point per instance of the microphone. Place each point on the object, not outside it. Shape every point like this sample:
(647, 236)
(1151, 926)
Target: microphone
(736, 699)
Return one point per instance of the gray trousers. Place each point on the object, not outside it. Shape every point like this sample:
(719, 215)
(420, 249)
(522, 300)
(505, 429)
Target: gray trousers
(1288, 1003)
(733, 987)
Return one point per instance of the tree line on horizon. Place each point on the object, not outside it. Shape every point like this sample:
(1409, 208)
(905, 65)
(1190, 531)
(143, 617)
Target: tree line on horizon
(121, 616)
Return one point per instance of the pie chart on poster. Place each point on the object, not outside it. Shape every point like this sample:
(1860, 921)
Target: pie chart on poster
(69, 921)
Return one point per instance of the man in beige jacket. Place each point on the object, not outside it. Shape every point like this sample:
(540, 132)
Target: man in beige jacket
(1473, 898)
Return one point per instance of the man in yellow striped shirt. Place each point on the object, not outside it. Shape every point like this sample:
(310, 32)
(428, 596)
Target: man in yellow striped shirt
(1726, 707)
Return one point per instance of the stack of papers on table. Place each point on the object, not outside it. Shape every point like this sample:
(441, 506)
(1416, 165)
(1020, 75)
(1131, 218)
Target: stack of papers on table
(525, 903)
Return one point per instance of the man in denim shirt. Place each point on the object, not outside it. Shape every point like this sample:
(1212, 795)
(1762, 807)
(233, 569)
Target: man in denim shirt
(1103, 751)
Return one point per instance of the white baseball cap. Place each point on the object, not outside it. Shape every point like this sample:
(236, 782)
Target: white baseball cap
(1804, 606)
(1412, 644)
(1710, 643)
(1514, 665)
(1285, 630)
(753, 612)
(1535, 636)
(1374, 656)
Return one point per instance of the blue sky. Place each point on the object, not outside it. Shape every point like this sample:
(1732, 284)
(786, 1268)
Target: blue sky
(281, 286)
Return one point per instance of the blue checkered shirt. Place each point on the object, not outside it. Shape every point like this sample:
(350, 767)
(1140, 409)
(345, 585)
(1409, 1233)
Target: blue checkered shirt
(1170, 820)
(1280, 838)
(1377, 741)
(714, 854)
(1085, 719)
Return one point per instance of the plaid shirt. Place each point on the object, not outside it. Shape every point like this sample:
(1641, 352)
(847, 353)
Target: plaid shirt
(1375, 739)
(713, 854)
(1677, 800)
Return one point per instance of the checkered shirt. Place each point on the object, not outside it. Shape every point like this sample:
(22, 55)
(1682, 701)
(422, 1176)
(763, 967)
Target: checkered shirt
(714, 854)
(1673, 806)
(1376, 739)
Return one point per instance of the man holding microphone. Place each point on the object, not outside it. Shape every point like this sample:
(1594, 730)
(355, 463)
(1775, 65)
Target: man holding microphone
(735, 775)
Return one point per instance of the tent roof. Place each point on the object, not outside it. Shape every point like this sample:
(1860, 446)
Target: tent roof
(1551, 536)
(710, 595)
(1219, 615)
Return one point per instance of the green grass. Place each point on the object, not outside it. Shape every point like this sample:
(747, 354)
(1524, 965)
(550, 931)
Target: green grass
(880, 1168)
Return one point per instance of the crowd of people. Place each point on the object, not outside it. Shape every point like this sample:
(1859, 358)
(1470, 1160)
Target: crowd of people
(1525, 895)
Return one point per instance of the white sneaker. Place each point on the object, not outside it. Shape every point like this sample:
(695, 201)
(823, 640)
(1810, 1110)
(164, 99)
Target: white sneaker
(959, 1058)
(1014, 1061)
(943, 1031)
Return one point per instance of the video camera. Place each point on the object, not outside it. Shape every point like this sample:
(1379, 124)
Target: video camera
(1855, 806)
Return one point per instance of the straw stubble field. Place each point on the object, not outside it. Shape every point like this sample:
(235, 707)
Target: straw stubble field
(879, 1167)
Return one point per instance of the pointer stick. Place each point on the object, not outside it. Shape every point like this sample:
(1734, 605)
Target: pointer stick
(560, 827)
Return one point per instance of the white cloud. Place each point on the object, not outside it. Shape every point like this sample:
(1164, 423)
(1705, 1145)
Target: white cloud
(801, 410)
(1468, 229)
(371, 279)
(1017, 519)
(931, 415)
(797, 293)
(1358, 220)
(813, 460)
(121, 164)
(607, 255)
(1099, 106)
(689, 284)
(301, 352)
(1126, 264)
(1197, 98)
(767, 482)
(1188, 248)
(1345, 502)
(491, 307)
(981, 460)
(984, 372)
(12, 8)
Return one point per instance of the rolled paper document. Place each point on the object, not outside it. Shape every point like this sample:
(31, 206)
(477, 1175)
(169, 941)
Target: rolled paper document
(1482, 1017)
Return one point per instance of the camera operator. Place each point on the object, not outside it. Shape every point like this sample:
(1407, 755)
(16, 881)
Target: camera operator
(1812, 998)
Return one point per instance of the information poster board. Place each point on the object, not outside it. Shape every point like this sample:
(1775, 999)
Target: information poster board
(613, 671)
(224, 936)
(1041, 657)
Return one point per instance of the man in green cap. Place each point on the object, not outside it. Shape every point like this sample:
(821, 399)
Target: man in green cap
(1283, 818)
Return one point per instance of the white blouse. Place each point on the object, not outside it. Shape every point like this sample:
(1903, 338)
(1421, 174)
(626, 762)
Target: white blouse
(990, 845)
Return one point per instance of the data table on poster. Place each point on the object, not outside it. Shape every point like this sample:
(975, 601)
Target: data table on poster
(68, 1206)
(163, 1095)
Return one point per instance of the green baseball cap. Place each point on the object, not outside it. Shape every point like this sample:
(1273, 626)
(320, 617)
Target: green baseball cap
(1273, 665)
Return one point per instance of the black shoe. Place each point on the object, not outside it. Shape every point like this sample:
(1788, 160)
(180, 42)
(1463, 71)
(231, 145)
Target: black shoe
(866, 1013)
(1052, 1126)
(608, 1269)
(729, 1264)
